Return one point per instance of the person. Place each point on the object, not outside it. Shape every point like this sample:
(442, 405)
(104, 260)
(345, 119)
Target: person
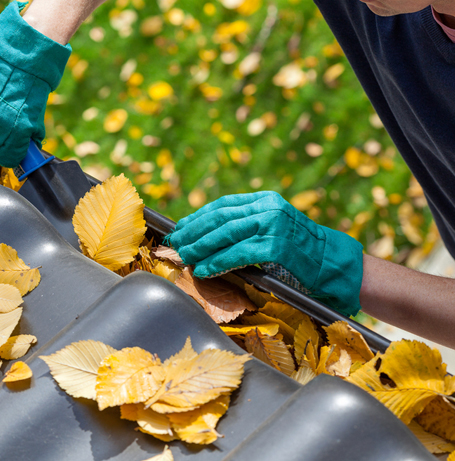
(404, 56)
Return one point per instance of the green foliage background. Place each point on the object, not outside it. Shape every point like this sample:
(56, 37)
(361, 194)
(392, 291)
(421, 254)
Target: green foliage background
(202, 164)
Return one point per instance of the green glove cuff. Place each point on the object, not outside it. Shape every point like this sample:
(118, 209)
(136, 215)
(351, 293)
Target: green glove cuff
(24, 48)
(340, 278)
(31, 66)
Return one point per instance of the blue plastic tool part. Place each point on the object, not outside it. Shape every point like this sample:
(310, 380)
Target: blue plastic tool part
(32, 161)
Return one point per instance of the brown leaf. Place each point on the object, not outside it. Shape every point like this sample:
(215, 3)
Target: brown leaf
(169, 254)
(221, 300)
(270, 350)
(438, 417)
(343, 335)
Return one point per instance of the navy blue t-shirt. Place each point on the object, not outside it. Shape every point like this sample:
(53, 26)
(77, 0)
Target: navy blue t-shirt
(406, 64)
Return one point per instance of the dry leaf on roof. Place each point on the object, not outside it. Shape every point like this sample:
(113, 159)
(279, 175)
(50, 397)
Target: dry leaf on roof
(8, 322)
(220, 299)
(149, 421)
(198, 426)
(19, 371)
(305, 332)
(109, 222)
(75, 367)
(167, 253)
(405, 379)
(165, 456)
(270, 329)
(167, 270)
(342, 366)
(259, 298)
(270, 350)
(16, 346)
(10, 298)
(438, 417)
(325, 356)
(304, 374)
(433, 443)
(14, 271)
(197, 381)
(286, 313)
(186, 353)
(256, 319)
(346, 337)
(131, 375)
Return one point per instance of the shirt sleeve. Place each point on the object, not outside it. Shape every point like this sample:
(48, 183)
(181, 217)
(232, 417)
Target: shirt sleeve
(448, 30)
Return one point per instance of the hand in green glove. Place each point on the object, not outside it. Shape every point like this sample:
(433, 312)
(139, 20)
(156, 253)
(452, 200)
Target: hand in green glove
(31, 66)
(240, 230)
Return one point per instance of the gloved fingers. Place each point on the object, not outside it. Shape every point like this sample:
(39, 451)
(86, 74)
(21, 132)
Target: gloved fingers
(228, 234)
(227, 201)
(246, 253)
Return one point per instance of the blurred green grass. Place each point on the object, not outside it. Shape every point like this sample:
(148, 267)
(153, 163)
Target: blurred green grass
(321, 138)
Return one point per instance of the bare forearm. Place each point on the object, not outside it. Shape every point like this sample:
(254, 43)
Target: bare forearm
(59, 19)
(420, 303)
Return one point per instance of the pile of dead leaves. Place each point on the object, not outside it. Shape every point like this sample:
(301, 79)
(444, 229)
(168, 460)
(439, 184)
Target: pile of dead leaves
(16, 280)
(409, 378)
(180, 398)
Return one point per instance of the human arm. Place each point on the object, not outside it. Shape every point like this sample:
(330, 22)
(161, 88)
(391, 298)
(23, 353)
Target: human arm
(59, 19)
(31, 66)
(420, 303)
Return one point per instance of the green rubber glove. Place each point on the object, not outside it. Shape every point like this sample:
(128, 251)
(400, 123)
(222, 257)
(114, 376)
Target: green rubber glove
(240, 230)
(31, 66)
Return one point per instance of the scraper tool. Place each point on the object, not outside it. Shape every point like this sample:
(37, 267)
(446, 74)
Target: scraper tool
(54, 188)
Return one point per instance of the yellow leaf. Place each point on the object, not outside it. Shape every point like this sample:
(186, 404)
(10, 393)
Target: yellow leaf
(285, 312)
(18, 372)
(115, 120)
(405, 379)
(199, 380)
(16, 346)
(433, 443)
(10, 298)
(149, 421)
(187, 353)
(166, 270)
(160, 90)
(305, 200)
(342, 366)
(346, 337)
(198, 426)
(259, 298)
(131, 375)
(326, 352)
(248, 7)
(311, 355)
(451, 457)
(290, 76)
(109, 222)
(305, 332)
(304, 374)
(9, 179)
(259, 318)
(8, 322)
(14, 271)
(270, 329)
(165, 456)
(270, 350)
(438, 417)
(75, 367)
